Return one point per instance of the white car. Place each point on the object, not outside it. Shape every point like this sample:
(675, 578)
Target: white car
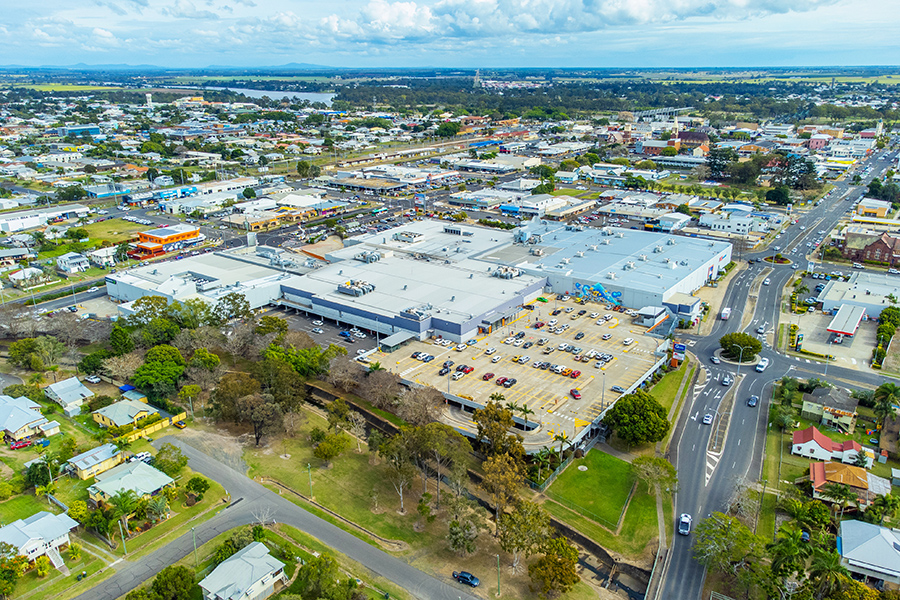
(761, 366)
(447, 343)
(318, 323)
(708, 419)
(766, 281)
(359, 335)
(93, 289)
(318, 330)
(594, 315)
(552, 323)
(92, 379)
(490, 350)
(496, 359)
(518, 342)
(570, 309)
(461, 347)
(628, 341)
(509, 340)
(684, 524)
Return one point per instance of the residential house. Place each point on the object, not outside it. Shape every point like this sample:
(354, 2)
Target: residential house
(870, 551)
(103, 257)
(249, 574)
(95, 461)
(41, 533)
(72, 262)
(123, 412)
(812, 443)
(864, 484)
(69, 393)
(20, 418)
(11, 256)
(137, 476)
(831, 407)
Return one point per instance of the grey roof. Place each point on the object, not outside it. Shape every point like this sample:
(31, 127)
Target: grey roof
(15, 413)
(94, 456)
(70, 390)
(870, 546)
(137, 476)
(39, 526)
(124, 411)
(231, 579)
(48, 426)
(847, 319)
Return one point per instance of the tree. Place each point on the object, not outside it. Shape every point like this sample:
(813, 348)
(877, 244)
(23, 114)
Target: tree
(187, 394)
(493, 423)
(718, 160)
(780, 195)
(170, 460)
(638, 418)
(338, 412)
(826, 572)
(887, 396)
(461, 536)
(399, 458)
(249, 193)
(356, 425)
(122, 367)
(159, 379)
(884, 505)
(271, 324)
(320, 578)
(724, 544)
(523, 531)
(123, 503)
(173, 583)
(38, 473)
(261, 411)
(554, 573)
(78, 510)
(121, 254)
(158, 506)
(331, 447)
(840, 493)
(204, 359)
(42, 566)
(447, 448)
(789, 552)
(93, 362)
(198, 485)
(233, 305)
(657, 472)
(740, 345)
(503, 475)
(12, 566)
(419, 406)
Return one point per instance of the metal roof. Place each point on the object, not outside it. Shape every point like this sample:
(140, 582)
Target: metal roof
(870, 546)
(233, 578)
(847, 319)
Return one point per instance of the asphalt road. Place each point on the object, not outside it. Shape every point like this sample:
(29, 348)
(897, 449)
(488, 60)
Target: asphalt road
(707, 479)
(249, 499)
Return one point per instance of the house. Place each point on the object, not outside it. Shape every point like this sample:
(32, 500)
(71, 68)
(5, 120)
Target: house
(137, 476)
(95, 461)
(103, 257)
(11, 256)
(870, 550)
(20, 418)
(72, 262)
(869, 207)
(865, 485)
(812, 443)
(250, 574)
(69, 393)
(831, 407)
(122, 413)
(41, 533)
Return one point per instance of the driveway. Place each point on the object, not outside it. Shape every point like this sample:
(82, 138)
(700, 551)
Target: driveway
(248, 497)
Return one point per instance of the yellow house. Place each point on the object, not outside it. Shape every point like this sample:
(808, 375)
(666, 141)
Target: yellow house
(122, 413)
(95, 461)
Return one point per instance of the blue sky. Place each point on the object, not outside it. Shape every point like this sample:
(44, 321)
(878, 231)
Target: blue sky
(451, 33)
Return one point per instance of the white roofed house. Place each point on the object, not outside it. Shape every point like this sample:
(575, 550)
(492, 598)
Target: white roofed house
(69, 393)
(250, 574)
(20, 418)
(72, 262)
(41, 533)
(870, 551)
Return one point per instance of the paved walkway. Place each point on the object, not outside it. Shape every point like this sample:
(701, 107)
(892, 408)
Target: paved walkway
(249, 499)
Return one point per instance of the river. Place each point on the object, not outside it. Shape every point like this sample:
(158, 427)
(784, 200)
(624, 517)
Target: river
(274, 94)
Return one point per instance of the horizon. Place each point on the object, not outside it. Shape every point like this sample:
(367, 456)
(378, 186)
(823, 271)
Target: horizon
(451, 34)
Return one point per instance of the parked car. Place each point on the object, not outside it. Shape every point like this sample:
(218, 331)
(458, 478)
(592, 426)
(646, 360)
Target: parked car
(618, 388)
(488, 376)
(180, 424)
(575, 394)
(92, 379)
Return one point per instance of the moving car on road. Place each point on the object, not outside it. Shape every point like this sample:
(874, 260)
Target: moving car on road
(708, 419)
(684, 524)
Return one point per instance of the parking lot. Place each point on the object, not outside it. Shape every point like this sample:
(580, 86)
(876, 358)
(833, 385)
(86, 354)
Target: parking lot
(560, 402)
(326, 332)
(851, 352)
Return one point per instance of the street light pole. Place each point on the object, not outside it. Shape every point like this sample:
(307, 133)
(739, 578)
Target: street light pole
(740, 360)
(498, 575)
(309, 474)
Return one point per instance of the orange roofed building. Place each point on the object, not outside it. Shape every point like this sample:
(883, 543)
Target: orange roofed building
(165, 239)
(865, 485)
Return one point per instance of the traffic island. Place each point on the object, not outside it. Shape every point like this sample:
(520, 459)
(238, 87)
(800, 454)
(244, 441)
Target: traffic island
(720, 354)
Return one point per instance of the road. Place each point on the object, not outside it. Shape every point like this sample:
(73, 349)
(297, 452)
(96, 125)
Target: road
(707, 479)
(249, 499)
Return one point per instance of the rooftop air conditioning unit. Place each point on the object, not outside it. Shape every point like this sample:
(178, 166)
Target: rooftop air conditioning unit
(643, 257)
(670, 242)
(610, 275)
(579, 254)
(620, 234)
(683, 263)
(657, 249)
(593, 247)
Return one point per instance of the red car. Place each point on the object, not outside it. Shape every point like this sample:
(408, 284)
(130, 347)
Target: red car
(574, 374)
(575, 393)
(20, 444)
(468, 369)
(500, 380)
(539, 324)
(488, 376)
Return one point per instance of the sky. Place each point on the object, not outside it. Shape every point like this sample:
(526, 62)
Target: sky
(451, 33)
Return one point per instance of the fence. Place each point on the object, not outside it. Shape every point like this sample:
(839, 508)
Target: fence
(139, 433)
(552, 476)
(57, 502)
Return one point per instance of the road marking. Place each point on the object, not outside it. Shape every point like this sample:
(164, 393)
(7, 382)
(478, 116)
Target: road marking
(739, 442)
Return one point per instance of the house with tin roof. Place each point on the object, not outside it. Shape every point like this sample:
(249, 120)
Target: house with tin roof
(123, 412)
(870, 551)
(137, 476)
(69, 393)
(41, 533)
(250, 574)
(95, 461)
(812, 443)
(831, 407)
(20, 417)
(865, 485)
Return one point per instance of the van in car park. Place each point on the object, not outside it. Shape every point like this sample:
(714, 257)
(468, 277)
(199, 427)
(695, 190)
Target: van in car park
(761, 366)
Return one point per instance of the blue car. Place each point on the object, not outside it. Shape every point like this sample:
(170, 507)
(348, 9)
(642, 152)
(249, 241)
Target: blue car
(466, 578)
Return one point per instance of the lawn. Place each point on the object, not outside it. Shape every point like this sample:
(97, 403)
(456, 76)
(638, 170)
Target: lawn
(600, 492)
(113, 230)
(665, 390)
(21, 507)
(57, 585)
(350, 486)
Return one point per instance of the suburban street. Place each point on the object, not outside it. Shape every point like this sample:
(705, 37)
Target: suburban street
(248, 500)
(707, 479)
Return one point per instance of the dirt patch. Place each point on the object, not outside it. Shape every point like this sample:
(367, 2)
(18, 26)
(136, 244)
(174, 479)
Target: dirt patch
(218, 442)
(5, 472)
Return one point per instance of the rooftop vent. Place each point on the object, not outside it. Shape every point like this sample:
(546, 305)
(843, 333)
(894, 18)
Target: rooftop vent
(670, 242)
(657, 249)
(643, 257)
(610, 275)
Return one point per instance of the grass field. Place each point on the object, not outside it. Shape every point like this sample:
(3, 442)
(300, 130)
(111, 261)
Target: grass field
(665, 390)
(114, 230)
(600, 492)
(22, 506)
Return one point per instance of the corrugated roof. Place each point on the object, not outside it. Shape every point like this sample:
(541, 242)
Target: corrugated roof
(870, 546)
(231, 579)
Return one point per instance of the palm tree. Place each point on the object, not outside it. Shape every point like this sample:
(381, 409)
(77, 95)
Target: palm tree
(543, 461)
(513, 407)
(801, 289)
(789, 552)
(124, 502)
(886, 396)
(45, 490)
(497, 397)
(887, 504)
(563, 438)
(861, 460)
(827, 572)
(158, 506)
(840, 493)
(122, 444)
(375, 366)
(525, 411)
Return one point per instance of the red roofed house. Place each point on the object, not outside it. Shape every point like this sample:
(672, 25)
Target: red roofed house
(866, 485)
(812, 443)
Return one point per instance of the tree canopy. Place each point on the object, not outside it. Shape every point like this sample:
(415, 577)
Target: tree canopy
(638, 418)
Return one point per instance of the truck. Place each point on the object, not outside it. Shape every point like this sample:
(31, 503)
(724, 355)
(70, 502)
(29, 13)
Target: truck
(726, 312)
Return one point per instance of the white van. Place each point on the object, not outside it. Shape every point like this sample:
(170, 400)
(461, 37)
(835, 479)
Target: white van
(763, 363)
